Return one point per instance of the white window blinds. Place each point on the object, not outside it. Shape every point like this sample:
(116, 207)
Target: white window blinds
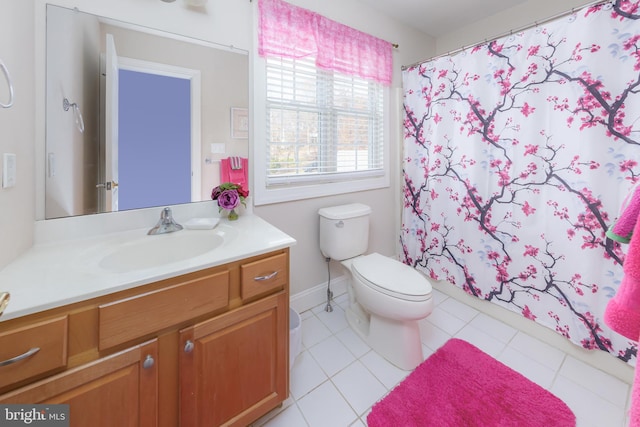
(322, 126)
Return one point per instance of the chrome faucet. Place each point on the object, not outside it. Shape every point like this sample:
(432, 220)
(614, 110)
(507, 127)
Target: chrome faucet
(166, 224)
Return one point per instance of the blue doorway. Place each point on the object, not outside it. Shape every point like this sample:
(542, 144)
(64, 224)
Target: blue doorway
(154, 133)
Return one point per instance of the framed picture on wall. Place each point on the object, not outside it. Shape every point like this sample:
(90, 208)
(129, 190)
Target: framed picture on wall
(239, 123)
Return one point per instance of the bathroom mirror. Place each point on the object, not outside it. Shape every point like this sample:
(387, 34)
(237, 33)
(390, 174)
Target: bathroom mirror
(135, 117)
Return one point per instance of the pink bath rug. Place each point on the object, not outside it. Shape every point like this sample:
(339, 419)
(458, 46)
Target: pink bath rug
(460, 385)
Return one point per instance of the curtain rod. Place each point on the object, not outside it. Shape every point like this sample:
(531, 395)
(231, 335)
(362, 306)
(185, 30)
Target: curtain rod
(510, 32)
(394, 45)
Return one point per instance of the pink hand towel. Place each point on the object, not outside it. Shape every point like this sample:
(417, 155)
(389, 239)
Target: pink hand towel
(237, 175)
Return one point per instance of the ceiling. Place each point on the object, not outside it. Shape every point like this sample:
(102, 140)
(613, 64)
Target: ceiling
(438, 17)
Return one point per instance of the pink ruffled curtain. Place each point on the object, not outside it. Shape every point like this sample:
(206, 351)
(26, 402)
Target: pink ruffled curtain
(293, 32)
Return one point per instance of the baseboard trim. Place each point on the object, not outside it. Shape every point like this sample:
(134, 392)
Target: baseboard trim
(310, 298)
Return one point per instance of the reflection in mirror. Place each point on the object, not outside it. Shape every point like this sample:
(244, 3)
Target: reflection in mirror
(153, 106)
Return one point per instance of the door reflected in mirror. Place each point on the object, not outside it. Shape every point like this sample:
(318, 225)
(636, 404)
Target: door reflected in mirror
(153, 105)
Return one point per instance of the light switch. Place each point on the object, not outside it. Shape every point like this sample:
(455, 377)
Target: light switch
(218, 148)
(8, 170)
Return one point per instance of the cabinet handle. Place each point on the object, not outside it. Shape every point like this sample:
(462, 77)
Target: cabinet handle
(188, 346)
(4, 301)
(23, 356)
(148, 362)
(267, 277)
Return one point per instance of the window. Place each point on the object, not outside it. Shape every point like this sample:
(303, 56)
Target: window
(321, 106)
(322, 126)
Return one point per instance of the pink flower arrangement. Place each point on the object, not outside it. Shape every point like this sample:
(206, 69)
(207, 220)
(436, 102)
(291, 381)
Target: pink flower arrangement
(229, 196)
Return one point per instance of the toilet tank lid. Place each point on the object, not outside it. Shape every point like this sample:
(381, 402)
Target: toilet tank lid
(352, 210)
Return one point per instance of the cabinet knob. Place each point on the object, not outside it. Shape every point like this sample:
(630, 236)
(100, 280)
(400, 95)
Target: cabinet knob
(148, 362)
(188, 346)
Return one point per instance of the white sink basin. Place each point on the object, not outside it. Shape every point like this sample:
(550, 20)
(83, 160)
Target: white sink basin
(158, 250)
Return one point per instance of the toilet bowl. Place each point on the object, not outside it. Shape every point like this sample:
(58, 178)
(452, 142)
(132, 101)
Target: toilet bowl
(386, 301)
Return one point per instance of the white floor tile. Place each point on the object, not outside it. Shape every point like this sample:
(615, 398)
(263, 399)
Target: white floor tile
(388, 374)
(359, 387)
(332, 355)
(353, 342)
(538, 350)
(334, 320)
(432, 336)
(459, 309)
(605, 386)
(305, 375)
(438, 297)
(446, 321)
(313, 331)
(482, 340)
(590, 409)
(497, 329)
(306, 314)
(536, 372)
(342, 300)
(324, 407)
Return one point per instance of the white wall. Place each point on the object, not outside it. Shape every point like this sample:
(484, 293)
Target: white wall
(17, 129)
(500, 24)
(72, 75)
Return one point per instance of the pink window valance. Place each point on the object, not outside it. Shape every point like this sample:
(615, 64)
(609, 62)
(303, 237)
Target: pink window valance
(293, 32)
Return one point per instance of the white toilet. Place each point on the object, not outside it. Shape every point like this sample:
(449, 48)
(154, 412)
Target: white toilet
(386, 297)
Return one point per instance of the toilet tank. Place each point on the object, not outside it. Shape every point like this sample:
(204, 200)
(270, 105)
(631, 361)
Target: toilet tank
(344, 231)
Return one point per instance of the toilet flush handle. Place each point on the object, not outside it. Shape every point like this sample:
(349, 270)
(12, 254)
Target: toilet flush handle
(340, 224)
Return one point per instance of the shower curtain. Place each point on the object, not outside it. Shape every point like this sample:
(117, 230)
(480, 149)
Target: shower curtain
(518, 155)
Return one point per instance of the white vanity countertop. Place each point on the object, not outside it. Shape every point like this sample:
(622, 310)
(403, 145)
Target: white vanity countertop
(54, 274)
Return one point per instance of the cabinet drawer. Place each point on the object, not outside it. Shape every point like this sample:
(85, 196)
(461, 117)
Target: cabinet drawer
(128, 319)
(18, 358)
(264, 275)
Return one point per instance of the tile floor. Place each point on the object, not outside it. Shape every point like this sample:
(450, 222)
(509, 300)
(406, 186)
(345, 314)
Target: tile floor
(337, 378)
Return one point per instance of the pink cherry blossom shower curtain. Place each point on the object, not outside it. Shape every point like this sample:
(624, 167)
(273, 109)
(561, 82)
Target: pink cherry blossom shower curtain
(517, 157)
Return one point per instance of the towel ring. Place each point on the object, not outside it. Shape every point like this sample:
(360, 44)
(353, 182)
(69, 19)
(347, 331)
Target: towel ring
(9, 83)
(77, 115)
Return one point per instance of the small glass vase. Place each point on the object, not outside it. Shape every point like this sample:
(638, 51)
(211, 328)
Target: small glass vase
(233, 215)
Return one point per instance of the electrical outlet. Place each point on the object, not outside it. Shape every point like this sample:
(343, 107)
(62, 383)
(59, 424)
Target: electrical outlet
(8, 170)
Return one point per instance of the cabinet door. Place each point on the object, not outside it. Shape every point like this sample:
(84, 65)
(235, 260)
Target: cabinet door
(117, 390)
(234, 368)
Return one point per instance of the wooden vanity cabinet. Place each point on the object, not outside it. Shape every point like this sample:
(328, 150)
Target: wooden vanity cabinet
(233, 368)
(117, 390)
(206, 348)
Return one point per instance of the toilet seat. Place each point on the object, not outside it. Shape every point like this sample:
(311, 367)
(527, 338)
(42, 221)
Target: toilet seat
(391, 277)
